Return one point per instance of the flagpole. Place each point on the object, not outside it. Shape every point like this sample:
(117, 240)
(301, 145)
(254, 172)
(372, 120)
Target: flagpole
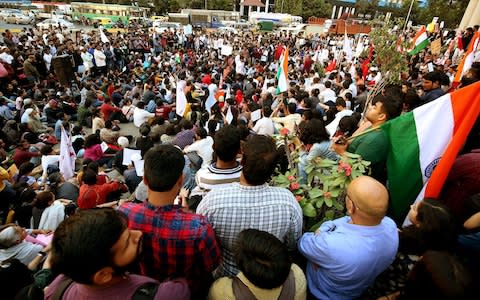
(408, 16)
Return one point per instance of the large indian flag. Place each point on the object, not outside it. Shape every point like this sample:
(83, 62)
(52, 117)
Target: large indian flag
(420, 41)
(282, 73)
(424, 144)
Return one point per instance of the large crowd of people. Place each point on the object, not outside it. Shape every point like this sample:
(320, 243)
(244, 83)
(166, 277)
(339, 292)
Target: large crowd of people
(184, 208)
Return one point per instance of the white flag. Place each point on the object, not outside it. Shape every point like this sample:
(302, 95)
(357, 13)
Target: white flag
(181, 99)
(67, 155)
(347, 48)
(103, 37)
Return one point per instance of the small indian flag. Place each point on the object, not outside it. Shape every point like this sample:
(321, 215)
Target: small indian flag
(282, 73)
(468, 59)
(420, 41)
(424, 144)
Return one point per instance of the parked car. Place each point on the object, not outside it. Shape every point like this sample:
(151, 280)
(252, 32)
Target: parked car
(227, 29)
(19, 19)
(54, 23)
(5, 12)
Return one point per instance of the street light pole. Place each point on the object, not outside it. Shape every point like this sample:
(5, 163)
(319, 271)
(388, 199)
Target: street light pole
(408, 15)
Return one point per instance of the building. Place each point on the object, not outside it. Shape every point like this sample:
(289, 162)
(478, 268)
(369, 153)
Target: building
(471, 16)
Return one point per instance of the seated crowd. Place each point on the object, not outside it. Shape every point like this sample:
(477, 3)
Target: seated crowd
(185, 209)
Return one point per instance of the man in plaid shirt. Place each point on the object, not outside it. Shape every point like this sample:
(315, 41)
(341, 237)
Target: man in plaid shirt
(252, 204)
(176, 242)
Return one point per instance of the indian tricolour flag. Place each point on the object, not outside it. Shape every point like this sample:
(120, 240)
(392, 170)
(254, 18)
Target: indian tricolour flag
(282, 73)
(468, 59)
(424, 144)
(420, 41)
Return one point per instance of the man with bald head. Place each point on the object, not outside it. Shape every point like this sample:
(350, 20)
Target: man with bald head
(347, 254)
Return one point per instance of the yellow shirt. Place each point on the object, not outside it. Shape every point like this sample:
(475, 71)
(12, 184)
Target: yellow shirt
(222, 288)
(3, 176)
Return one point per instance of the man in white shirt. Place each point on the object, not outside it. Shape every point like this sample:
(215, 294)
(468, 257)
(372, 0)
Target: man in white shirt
(203, 145)
(47, 58)
(264, 125)
(87, 59)
(140, 115)
(342, 112)
(100, 59)
(239, 65)
(5, 55)
(328, 95)
(291, 119)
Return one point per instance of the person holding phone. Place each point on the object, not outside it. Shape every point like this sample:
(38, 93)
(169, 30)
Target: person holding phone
(291, 119)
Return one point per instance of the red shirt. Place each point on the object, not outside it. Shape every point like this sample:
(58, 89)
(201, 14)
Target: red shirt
(163, 112)
(20, 156)
(175, 243)
(107, 109)
(92, 195)
(207, 79)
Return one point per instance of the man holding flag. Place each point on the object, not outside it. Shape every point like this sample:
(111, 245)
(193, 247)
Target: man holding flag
(372, 144)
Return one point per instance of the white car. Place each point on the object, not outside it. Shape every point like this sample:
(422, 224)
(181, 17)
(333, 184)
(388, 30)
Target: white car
(5, 12)
(19, 19)
(227, 29)
(46, 24)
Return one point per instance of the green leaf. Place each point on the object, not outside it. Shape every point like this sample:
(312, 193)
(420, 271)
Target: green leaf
(309, 210)
(366, 163)
(328, 202)
(335, 192)
(299, 192)
(355, 174)
(309, 168)
(329, 214)
(325, 163)
(310, 177)
(352, 155)
(318, 202)
(315, 193)
(338, 206)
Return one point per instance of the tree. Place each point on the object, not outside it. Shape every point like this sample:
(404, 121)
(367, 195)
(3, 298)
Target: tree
(219, 4)
(392, 63)
(405, 7)
(450, 12)
(293, 7)
(316, 8)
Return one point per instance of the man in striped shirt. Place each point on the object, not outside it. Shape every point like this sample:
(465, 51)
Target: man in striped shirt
(226, 169)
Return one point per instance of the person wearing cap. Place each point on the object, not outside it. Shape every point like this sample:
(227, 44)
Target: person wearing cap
(138, 88)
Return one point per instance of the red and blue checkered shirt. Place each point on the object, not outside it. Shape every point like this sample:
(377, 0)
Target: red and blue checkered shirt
(175, 243)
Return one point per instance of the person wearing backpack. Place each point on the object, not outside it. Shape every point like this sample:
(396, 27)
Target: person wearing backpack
(266, 271)
(92, 251)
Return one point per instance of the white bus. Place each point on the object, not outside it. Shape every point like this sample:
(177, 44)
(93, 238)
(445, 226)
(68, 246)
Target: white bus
(276, 18)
